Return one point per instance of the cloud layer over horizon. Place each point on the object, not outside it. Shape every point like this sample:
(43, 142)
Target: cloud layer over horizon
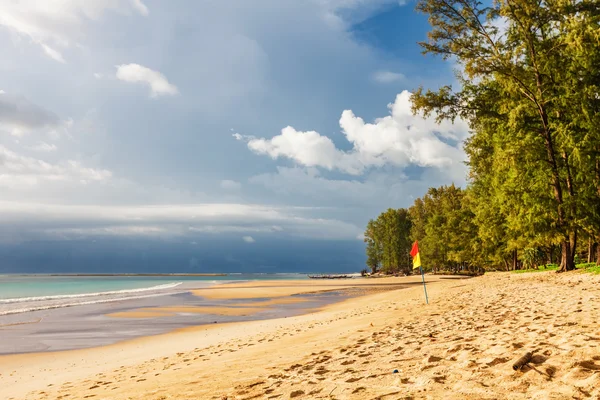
(116, 120)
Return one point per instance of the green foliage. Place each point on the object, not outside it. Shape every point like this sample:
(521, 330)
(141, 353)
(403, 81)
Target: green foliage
(589, 267)
(532, 258)
(374, 246)
(594, 270)
(549, 267)
(531, 95)
(388, 242)
(442, 224)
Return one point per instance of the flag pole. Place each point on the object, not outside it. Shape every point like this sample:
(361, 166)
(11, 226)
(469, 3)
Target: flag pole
(424, 287)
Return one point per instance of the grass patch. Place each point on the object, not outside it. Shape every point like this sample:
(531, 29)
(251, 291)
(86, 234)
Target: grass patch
(459, 273)
(549, 267)
(589, 267)
(586, 267)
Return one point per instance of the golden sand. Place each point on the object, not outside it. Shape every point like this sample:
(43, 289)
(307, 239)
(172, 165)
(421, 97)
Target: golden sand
(461, 346)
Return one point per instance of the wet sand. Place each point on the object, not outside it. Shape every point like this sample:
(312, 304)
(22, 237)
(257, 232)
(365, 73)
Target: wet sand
(273, 302)
(271, 289)
(104, 323)
(461, 346)
(167, 311)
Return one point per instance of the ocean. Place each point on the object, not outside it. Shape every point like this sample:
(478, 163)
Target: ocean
(52, 313)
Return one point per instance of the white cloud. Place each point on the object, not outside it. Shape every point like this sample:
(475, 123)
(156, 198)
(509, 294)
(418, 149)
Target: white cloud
(135, 73)
(248, 239)
(387, 76)
(67, 233)
(306, 148)
(230, 185)
(52, 23)
(53, 54)
(98, 75)
(141, 7)
(2, 91)
(18, 170)
(400, 139)
(501, 24)
(44, 147)
(216, 229)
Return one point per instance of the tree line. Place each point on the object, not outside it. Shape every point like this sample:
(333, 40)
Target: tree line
(529, 74)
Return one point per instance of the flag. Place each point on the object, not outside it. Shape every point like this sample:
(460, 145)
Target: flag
(414, 253)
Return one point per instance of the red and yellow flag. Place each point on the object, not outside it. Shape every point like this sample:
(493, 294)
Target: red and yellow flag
(414, 253)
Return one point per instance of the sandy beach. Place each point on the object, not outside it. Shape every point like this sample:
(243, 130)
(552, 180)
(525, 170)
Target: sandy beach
(462, 345)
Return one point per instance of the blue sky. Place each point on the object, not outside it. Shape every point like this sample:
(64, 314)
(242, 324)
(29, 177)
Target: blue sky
(214, 120)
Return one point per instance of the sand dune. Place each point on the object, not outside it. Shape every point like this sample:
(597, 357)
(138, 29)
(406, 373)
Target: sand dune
(461, 346)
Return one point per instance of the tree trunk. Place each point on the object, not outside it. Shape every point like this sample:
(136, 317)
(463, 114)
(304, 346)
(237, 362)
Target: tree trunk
(566, 263)
(573, 242)
(598, 252)
(590, 250)
(515, 260)
(567, 260)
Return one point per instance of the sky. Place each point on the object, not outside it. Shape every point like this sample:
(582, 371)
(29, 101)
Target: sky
(258, 135)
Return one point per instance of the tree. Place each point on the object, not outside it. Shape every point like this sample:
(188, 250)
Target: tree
(388, 242)
(374, 249)
(514, 85)
(442, 223)
(530, 92)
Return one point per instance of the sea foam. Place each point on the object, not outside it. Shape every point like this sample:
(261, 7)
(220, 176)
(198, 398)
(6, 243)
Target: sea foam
(40, 303)
(78, 295)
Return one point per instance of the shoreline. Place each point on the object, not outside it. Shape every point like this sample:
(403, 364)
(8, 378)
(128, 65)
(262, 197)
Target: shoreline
(105, 322)
(34, 360)
(464, 342)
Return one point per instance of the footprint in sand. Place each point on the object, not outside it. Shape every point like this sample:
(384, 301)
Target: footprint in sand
(498, 360)
(589, 365)
(321, 371)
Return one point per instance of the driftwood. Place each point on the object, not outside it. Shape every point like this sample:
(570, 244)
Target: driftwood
(521, 362)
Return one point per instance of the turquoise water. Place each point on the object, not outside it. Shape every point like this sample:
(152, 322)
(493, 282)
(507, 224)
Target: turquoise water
(27, 286)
